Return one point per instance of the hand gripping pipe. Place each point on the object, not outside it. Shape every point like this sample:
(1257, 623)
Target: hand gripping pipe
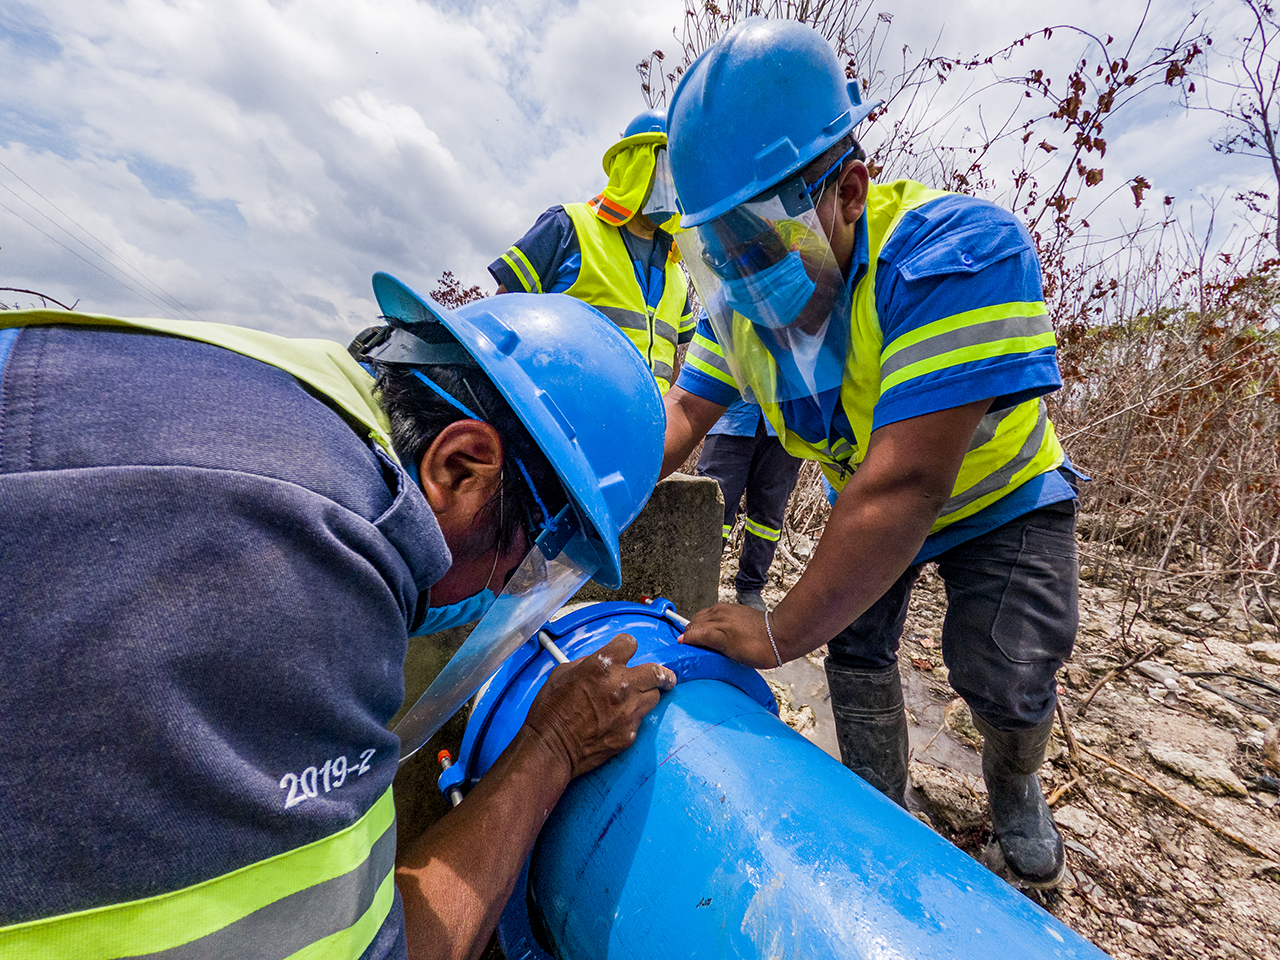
(722, 833)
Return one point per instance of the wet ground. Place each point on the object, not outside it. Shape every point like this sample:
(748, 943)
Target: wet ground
(1166, 792)
(926, 700)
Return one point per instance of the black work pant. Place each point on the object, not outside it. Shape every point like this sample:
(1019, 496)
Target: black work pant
(1010, 622)
(762, 468)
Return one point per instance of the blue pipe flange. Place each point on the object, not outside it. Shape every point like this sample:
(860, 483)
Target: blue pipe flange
(723, 833)
(503, 702)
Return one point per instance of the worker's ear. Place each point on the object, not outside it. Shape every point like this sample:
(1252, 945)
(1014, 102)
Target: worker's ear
(855, 182)
(461, 470)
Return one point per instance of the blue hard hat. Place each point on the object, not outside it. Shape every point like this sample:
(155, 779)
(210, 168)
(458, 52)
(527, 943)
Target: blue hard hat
(647, 127)
(651, 121)
(579, 386)
(754, 109)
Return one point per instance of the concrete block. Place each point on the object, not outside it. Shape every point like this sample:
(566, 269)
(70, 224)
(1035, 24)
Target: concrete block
(673, 548)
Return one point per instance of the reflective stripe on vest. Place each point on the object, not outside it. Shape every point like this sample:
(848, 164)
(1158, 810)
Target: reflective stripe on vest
(1010, 446)
(322, 364)
(607, 281)
(325, 900)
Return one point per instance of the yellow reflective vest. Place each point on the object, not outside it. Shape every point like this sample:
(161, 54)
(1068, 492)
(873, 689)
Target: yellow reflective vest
(327, 899)
(607, 281)
(1010, 446)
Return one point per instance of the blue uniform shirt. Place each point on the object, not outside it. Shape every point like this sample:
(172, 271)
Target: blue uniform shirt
(209, 578)
(926, 273)
(741, 420)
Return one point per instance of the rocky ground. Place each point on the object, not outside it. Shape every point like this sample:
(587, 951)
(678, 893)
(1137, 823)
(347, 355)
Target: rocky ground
(1162, 786)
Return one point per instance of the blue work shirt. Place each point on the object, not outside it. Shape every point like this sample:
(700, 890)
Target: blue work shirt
(742, 419)
(209, 579)
(911, 293)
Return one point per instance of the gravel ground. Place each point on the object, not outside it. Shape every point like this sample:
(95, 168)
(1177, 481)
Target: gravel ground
(1162, 788)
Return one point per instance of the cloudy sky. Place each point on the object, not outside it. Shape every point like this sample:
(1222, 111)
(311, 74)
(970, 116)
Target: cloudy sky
(255, 161)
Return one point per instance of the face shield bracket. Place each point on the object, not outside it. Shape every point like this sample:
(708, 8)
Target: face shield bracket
(557, 532)
(395, 344)
(795, 196)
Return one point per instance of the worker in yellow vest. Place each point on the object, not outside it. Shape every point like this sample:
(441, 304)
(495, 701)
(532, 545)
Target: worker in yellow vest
(898, 335)
(214, 544)
(613, 251)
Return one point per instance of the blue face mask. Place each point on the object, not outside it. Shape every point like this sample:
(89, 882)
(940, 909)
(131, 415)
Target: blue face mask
(468, 610)
(773, 297)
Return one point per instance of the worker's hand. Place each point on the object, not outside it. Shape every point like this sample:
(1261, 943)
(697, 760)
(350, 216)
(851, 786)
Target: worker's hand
(590, 709)
(735, 630)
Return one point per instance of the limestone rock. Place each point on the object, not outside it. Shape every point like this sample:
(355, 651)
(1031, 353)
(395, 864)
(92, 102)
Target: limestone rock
(1077, 821)
(1202, 611)
(951, 800)
(1265, 651)
(1078, 677)
(960, 722)
(1271, 749)
(798, 716)
(1159, 672)
(1213, 776)
(1213, 704)
(802, 547)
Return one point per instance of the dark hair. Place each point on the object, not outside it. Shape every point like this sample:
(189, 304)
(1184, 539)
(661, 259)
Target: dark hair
(822, 162)
(418, 414)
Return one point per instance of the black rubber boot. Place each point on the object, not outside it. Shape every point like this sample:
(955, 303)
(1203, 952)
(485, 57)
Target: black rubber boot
(871, 726)
(1022, 821)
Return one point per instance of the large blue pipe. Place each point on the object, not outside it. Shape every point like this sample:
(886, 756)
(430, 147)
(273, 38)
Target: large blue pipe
(722, 833)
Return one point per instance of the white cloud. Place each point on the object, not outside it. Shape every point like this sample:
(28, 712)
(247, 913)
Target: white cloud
(259, 159)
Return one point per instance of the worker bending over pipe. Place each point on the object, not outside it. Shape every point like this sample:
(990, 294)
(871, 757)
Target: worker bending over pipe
(898, 335)
(214, 543)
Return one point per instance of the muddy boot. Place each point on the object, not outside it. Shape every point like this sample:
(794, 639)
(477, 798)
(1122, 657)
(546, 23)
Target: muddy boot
(1023, 824)
(871, 726)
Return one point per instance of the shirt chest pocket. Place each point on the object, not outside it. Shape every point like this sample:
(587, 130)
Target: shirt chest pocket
(966, 251)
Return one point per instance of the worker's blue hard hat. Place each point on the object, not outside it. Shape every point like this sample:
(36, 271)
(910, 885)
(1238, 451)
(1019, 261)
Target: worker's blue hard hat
(754, 109)
(649, 127)
(651, 121)
(579, 386)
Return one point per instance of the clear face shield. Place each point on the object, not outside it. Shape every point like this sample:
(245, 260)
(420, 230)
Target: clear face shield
(561, 561)
(774, 293)
(661, 205)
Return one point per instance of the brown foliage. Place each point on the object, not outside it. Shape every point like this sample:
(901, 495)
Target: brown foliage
(451, 293)
(1169, 352)
(1176, 414)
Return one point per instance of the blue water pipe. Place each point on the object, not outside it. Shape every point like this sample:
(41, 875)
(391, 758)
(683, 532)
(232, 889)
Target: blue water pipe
(722, 833)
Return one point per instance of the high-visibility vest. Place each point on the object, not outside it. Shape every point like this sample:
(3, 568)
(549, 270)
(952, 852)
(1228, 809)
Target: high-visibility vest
(322, 364)
(327, 899)
(1010, 447)
(607, 281)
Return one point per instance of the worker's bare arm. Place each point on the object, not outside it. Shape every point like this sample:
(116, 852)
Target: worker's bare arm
(455, 880)
(502, 288)
(689, 417)
(876, 528)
